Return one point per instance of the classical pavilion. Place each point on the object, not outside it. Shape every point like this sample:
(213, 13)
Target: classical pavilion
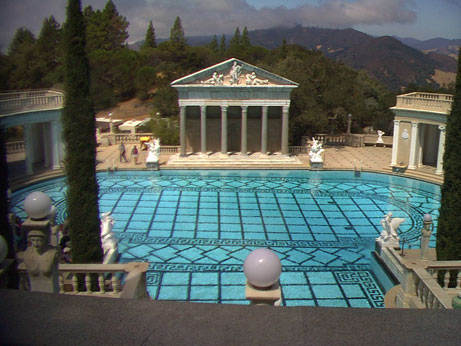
(233, 108)
(419, 130)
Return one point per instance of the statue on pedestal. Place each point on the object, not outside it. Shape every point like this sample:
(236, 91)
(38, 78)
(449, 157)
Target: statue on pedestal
(380, 136)
(316, 151)
(389, 236)
(426, 233)
(153, 151)
(41, 261)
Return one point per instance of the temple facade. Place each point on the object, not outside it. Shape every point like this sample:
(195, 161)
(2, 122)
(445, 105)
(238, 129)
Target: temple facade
(419, 130)
(233, 107)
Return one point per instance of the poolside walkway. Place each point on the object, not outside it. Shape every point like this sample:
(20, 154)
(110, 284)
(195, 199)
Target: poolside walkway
(366, 158)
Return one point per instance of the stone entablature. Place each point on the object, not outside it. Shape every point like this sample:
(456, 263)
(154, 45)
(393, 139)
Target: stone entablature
(238, 98)
(425, 102)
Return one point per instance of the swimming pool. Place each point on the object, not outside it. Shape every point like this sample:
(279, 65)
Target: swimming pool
(197, 227)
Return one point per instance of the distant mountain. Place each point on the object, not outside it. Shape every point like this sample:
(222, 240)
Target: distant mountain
(436, 45)
(386, 58)
(392, 61)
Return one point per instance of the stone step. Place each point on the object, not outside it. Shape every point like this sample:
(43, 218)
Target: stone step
(237, 160)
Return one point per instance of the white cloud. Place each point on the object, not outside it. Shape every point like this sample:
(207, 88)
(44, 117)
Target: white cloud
(208, 17)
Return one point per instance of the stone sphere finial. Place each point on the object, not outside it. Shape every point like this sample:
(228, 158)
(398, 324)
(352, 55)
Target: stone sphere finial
(37, 205)
(262, 267)
(3, 249)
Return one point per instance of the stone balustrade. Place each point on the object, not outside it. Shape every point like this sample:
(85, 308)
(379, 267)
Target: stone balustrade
(108, 283)
(425, 102)
(428, 292)
(296, 150)
(11, 103)
(15, 147)
(419, 284)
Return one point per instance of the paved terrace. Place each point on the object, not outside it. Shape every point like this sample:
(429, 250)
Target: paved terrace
(366, 158)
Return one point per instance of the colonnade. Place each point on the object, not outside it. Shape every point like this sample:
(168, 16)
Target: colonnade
(416, 148)
(224, 128)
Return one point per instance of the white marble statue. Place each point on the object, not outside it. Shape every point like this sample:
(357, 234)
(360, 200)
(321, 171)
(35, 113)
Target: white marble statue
(316, 151)
(235, 73)
(216, 79)
(251, 79)
(380, 136)
(153, 151)
(389, 236)
(108, 240)
(41, 261)
(426, 233)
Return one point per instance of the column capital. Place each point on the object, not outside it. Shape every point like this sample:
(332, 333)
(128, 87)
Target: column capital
(397, 122)
(443, 128)
(415, 124)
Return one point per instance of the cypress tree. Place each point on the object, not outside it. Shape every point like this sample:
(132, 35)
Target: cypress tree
(449, 222)
(149, 41)
(5, 229)
(79, 136)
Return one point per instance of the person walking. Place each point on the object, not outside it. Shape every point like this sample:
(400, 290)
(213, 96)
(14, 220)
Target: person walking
(122, 150)
(134, 154)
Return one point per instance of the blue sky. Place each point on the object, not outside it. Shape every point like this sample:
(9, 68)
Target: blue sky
(420, 19)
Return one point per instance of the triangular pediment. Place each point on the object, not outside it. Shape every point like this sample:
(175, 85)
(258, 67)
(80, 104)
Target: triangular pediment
(231, 73)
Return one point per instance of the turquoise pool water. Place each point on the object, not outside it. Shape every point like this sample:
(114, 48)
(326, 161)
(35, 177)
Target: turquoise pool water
(197, 227)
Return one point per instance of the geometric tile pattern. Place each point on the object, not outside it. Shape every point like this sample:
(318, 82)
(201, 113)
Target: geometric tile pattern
(196, 228)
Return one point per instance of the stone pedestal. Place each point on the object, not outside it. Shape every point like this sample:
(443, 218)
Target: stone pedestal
(263, 296)
(316, 164)
(152, 166)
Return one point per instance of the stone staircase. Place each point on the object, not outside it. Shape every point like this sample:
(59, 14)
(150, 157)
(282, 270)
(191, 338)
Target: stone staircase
(237, 160)
(421, 173)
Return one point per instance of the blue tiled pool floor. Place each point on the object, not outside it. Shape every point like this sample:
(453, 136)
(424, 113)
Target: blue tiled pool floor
(197, 228)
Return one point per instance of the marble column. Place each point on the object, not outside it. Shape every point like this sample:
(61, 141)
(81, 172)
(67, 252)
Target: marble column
(422, 133)
(264, 130)
(224, 129)
(243, 147)
(284, 130)
(203, 129)
(439, 169)
(414, 145)
(47, 145)
(55, 145)
(28, 143)
(395, 142)
(182, 131)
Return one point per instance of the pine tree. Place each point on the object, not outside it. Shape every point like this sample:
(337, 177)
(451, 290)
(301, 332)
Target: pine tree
(222, 45)
(245, 39)
(79, 136)
(149, 41)
(116, 27)
(48, 51)
(24, 73)
(177, 36)
(213, 45)
(449, 222)
(235, 41)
